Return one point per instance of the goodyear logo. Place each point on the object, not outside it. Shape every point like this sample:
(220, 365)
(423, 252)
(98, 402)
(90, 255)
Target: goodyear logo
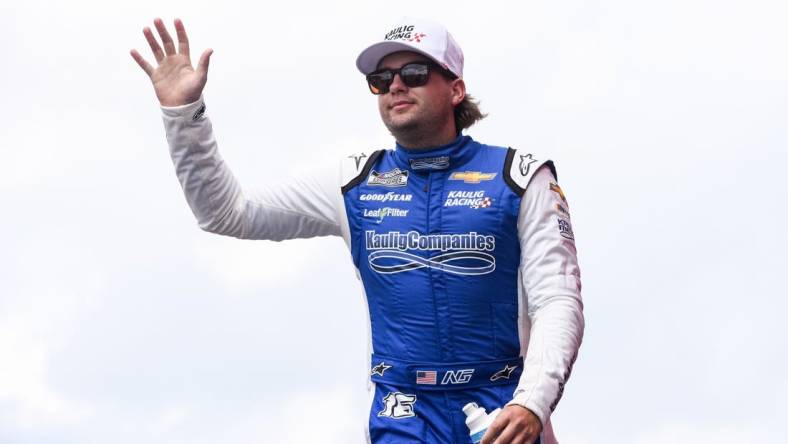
(472, 176)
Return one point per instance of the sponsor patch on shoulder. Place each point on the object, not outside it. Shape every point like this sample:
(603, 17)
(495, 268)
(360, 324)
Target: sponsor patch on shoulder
(556, 189)
(393, 178)
(565, 229)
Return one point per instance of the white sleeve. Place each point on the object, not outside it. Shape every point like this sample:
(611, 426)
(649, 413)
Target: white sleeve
(550, 283)
(306, 206)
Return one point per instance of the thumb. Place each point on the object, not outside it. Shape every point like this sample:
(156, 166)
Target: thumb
(205, 59)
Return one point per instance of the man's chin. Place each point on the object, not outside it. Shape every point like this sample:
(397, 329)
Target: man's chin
(401, 126)
(402, 121)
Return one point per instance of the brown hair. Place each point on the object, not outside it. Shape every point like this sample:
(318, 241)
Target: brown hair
(467, 113)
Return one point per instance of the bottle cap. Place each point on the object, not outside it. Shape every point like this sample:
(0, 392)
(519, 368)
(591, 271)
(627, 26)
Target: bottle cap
(470, 408)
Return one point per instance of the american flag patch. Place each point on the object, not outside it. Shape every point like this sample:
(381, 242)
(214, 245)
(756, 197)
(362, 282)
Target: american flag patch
(426, 377)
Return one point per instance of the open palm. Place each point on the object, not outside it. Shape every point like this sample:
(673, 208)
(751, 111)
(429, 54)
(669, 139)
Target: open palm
(175, 81)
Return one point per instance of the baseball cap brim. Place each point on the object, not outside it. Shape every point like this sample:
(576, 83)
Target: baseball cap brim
(369, 58)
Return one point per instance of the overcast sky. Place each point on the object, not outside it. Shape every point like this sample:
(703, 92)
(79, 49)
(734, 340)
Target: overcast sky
(121, 321)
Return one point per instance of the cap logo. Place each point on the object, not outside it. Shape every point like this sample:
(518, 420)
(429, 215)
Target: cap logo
(405, 33)
(417, 37)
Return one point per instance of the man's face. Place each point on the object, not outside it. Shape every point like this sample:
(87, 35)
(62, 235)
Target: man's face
(404, 109)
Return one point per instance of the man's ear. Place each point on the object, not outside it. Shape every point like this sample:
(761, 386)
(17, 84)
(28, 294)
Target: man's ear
(457, 91)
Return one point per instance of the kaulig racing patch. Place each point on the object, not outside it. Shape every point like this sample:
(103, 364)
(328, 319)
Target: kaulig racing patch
(471, 199)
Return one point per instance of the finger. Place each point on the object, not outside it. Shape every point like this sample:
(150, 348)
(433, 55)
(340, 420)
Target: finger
(166, 40)
(507, 435)
(158, 54)
(524, 438)
(142, 62)
(205, 59)
(493, 431)
(183, 39)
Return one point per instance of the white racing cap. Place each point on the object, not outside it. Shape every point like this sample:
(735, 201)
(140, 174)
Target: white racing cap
(418, 35)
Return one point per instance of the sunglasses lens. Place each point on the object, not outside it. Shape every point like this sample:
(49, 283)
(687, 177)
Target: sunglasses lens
(379, 82)
(412, 75)
(415, 74)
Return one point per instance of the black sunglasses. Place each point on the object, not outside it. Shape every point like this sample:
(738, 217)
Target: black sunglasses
(412, 74)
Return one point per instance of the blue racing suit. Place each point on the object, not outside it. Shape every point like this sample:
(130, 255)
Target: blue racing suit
(466, 255)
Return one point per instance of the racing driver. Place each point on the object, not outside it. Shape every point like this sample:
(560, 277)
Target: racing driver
(465, 251)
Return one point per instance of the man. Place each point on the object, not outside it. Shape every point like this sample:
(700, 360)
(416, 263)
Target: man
(465, 250)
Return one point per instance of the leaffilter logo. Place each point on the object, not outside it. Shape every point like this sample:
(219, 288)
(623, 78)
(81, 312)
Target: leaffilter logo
(382, 213)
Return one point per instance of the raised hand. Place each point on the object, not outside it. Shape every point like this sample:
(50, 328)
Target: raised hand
(175, 81)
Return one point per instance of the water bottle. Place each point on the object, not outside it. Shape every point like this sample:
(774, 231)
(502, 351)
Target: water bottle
(478, 420)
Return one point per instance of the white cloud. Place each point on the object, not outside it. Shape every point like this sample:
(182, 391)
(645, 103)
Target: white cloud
(52, 285)
(329, 416)
(23, 381)
(244, 264)
(713, 433)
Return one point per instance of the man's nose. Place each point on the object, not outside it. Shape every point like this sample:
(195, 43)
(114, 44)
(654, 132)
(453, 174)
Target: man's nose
(397, 85)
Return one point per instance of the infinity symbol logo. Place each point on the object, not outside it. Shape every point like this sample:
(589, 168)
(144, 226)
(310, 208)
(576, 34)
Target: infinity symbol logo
(440, 262)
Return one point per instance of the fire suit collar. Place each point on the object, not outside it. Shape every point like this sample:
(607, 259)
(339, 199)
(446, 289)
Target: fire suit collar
(444, 157)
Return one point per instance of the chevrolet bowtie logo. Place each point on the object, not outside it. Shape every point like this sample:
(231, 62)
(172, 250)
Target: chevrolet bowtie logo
(472, 176)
